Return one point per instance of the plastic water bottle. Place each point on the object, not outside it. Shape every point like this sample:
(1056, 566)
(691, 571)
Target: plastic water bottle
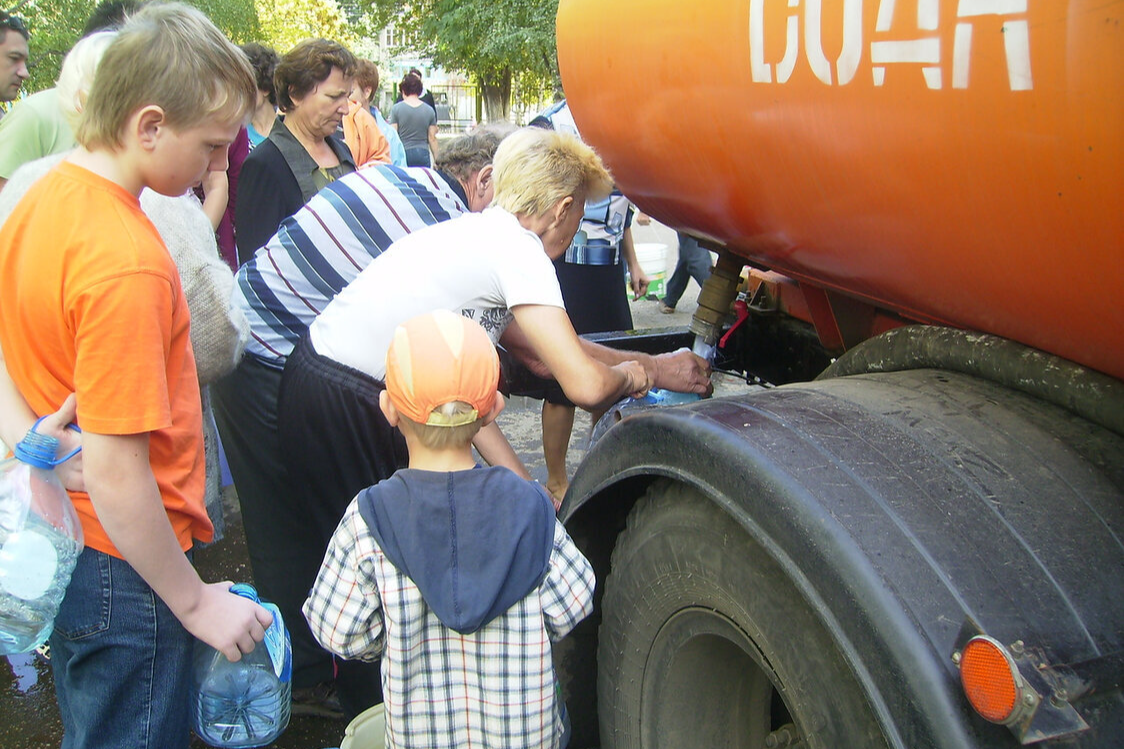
(244, 703)
(654, 398)
(661, 397)
(40, 540)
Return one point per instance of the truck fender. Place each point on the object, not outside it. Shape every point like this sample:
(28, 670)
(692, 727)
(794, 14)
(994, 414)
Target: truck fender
(900, 508)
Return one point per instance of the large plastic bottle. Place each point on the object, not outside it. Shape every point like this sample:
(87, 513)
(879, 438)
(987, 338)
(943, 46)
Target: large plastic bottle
(244, 703)
(40, 540)
(655, 398)
(661, 397)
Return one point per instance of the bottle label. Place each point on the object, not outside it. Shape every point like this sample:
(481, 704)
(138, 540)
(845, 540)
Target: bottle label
(275, 640)
(27, 565)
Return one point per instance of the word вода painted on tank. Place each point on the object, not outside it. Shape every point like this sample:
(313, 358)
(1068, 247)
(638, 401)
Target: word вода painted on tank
(921, 47)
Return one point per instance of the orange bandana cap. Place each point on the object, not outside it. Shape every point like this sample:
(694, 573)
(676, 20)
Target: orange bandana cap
(438, 358)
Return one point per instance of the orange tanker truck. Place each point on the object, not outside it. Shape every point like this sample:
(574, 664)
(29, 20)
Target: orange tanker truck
(917, 539)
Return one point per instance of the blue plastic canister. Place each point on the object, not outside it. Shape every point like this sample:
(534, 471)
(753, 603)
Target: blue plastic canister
(655, 398)
(244, 703)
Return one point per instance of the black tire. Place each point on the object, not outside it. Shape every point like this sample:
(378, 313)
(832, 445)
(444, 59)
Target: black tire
(705, 642)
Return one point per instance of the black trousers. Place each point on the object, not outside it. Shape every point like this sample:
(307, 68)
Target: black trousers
(334, 438)
(273, 514)
(335, 442)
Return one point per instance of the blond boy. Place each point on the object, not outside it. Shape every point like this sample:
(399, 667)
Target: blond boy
(91, 304)
(458, 577)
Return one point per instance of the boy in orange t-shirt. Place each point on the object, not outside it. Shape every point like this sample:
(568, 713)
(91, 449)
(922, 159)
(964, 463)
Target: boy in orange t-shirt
(91, 304)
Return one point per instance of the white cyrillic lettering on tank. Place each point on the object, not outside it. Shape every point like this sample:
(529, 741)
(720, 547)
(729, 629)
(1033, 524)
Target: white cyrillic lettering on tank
(1016, 41)
(892, 45)
(925, 51)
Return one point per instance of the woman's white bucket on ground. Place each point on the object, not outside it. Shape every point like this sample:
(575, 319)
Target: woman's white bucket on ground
(367, 731)
(652, 257)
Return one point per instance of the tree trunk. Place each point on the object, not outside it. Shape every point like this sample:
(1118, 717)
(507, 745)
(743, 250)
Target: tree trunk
(496, 91)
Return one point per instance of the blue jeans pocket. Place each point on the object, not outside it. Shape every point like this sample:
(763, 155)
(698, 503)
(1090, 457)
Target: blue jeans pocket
(121, 660)
(86, 607)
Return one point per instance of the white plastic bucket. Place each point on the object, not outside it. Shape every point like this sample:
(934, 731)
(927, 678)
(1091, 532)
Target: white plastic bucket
(367, 731)
(652, 257)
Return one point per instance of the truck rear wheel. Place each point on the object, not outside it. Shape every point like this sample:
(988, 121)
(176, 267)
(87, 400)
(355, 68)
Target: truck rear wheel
(705, 642)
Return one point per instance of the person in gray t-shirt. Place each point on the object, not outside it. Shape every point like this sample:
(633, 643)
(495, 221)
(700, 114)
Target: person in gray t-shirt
(415, 121)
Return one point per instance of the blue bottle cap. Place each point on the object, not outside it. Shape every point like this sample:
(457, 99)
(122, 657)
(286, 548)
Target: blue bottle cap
(37, 450)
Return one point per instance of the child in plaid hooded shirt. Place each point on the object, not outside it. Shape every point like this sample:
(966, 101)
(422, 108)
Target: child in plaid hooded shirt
(458, 577)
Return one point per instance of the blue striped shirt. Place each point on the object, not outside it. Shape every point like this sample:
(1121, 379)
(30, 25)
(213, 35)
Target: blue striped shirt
(322, 248)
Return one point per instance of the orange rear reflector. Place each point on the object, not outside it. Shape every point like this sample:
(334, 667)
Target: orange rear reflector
(990, 679)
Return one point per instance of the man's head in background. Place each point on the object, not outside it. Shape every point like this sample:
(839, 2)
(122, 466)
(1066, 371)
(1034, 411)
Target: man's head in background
(13, 55)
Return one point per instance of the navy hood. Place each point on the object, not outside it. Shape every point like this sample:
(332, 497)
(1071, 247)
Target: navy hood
(475, 542)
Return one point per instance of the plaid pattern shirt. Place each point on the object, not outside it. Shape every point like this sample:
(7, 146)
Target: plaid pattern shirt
(492, 688)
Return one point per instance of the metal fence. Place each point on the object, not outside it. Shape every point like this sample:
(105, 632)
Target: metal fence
(457, 107)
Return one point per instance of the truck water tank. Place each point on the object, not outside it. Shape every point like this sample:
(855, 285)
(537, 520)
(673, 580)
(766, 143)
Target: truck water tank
(958, 162)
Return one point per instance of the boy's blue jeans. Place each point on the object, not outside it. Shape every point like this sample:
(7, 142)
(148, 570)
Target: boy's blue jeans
(121, 661)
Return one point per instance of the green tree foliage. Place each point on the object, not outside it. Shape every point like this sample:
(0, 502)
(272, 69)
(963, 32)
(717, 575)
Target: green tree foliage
(505, 45)
(55, 26)
(238, 19)
(286, 22)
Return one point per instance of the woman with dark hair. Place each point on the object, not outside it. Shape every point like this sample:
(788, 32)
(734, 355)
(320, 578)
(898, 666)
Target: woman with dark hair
(264, 62)
(302, 152)
(415, 121)
(219, 191)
